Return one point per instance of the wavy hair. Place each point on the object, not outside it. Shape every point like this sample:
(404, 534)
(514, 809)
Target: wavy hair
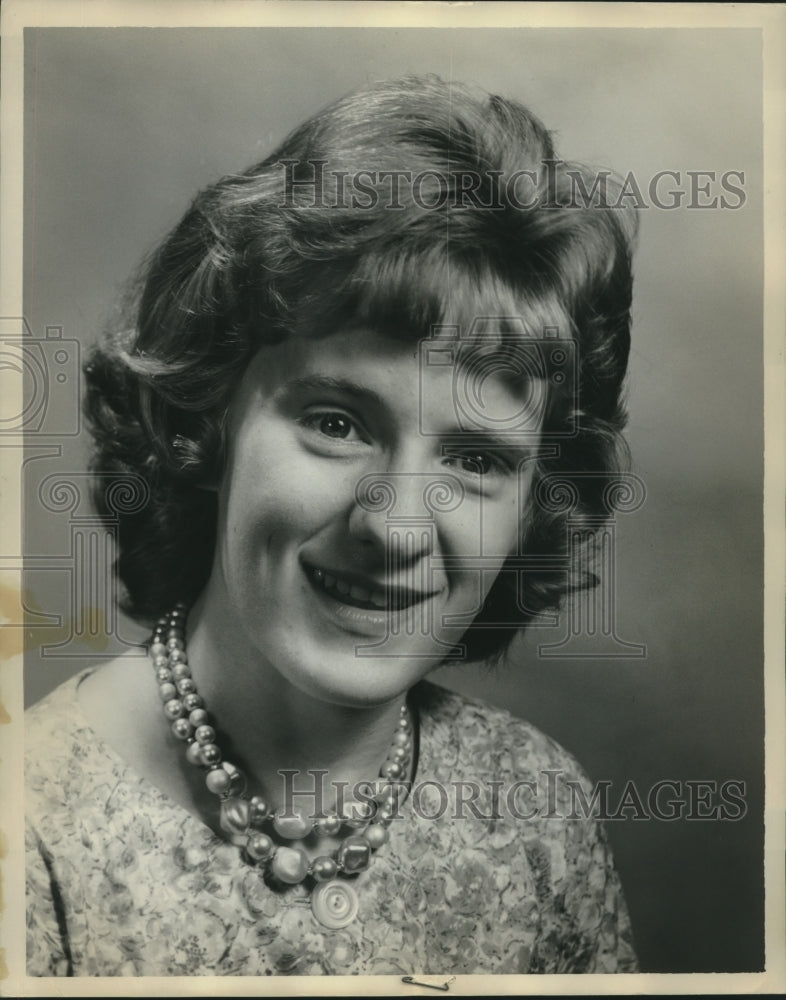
(287, 248)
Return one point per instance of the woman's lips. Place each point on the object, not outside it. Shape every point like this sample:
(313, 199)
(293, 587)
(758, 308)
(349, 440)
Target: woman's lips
(406, 612)
(359, 592)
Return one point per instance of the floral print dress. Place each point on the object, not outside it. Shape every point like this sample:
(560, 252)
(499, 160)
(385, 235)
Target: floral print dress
(502, 874)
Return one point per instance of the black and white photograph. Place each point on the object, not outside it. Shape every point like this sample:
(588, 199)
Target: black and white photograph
(392, 579)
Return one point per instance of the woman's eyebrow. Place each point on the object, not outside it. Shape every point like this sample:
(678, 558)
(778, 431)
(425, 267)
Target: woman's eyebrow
(329, 384)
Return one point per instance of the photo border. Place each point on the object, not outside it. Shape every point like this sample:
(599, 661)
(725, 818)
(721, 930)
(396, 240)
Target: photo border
(771, 19)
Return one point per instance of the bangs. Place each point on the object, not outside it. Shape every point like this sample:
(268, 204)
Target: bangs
(420, 294)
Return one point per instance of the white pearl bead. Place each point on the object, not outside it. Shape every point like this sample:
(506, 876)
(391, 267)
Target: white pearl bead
(198, 717)
(167, 690)
(174, 709)
(211, 754)
(289, 865)
(259, 846)
(323, 868)
(234, 815)
(291, 823)
(260, 810)
(217, 781)
(205, 734)
(376, 835)
(328, 826)
(182, 729)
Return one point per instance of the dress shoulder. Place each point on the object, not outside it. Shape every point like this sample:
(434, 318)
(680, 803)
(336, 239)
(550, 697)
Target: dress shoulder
(54, 779)
(523, 819)
(57, 747)
(519, 747)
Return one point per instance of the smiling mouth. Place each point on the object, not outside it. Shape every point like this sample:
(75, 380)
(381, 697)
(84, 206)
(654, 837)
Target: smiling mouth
(367, 598)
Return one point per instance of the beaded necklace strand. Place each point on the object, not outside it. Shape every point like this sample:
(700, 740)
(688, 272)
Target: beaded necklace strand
(245, 818)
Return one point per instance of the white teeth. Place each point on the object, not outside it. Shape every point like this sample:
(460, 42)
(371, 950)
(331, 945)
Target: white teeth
(378, 597)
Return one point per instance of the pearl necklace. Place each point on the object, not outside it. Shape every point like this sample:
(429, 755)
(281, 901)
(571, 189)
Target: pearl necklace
(244, 818)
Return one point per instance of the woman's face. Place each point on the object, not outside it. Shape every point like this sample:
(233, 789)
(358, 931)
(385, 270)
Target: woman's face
(360, 525)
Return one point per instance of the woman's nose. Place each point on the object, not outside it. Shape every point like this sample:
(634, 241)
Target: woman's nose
(389, 513)
(398, 511)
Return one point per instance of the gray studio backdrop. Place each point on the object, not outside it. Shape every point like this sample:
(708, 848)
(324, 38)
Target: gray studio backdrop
(122, 126)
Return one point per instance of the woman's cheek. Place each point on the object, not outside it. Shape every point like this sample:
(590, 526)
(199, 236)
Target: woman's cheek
(483, 527)
(298, 494)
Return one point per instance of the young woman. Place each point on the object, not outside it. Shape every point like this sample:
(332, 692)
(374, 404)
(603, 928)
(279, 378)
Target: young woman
(353, 375)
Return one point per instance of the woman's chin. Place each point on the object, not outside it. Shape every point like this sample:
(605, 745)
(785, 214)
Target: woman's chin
(354, 674)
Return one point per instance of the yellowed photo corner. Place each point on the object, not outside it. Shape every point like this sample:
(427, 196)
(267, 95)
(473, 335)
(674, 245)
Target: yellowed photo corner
(17, 14)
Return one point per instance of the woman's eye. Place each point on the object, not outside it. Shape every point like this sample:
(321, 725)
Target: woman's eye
(333, 424)
(475, 463)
